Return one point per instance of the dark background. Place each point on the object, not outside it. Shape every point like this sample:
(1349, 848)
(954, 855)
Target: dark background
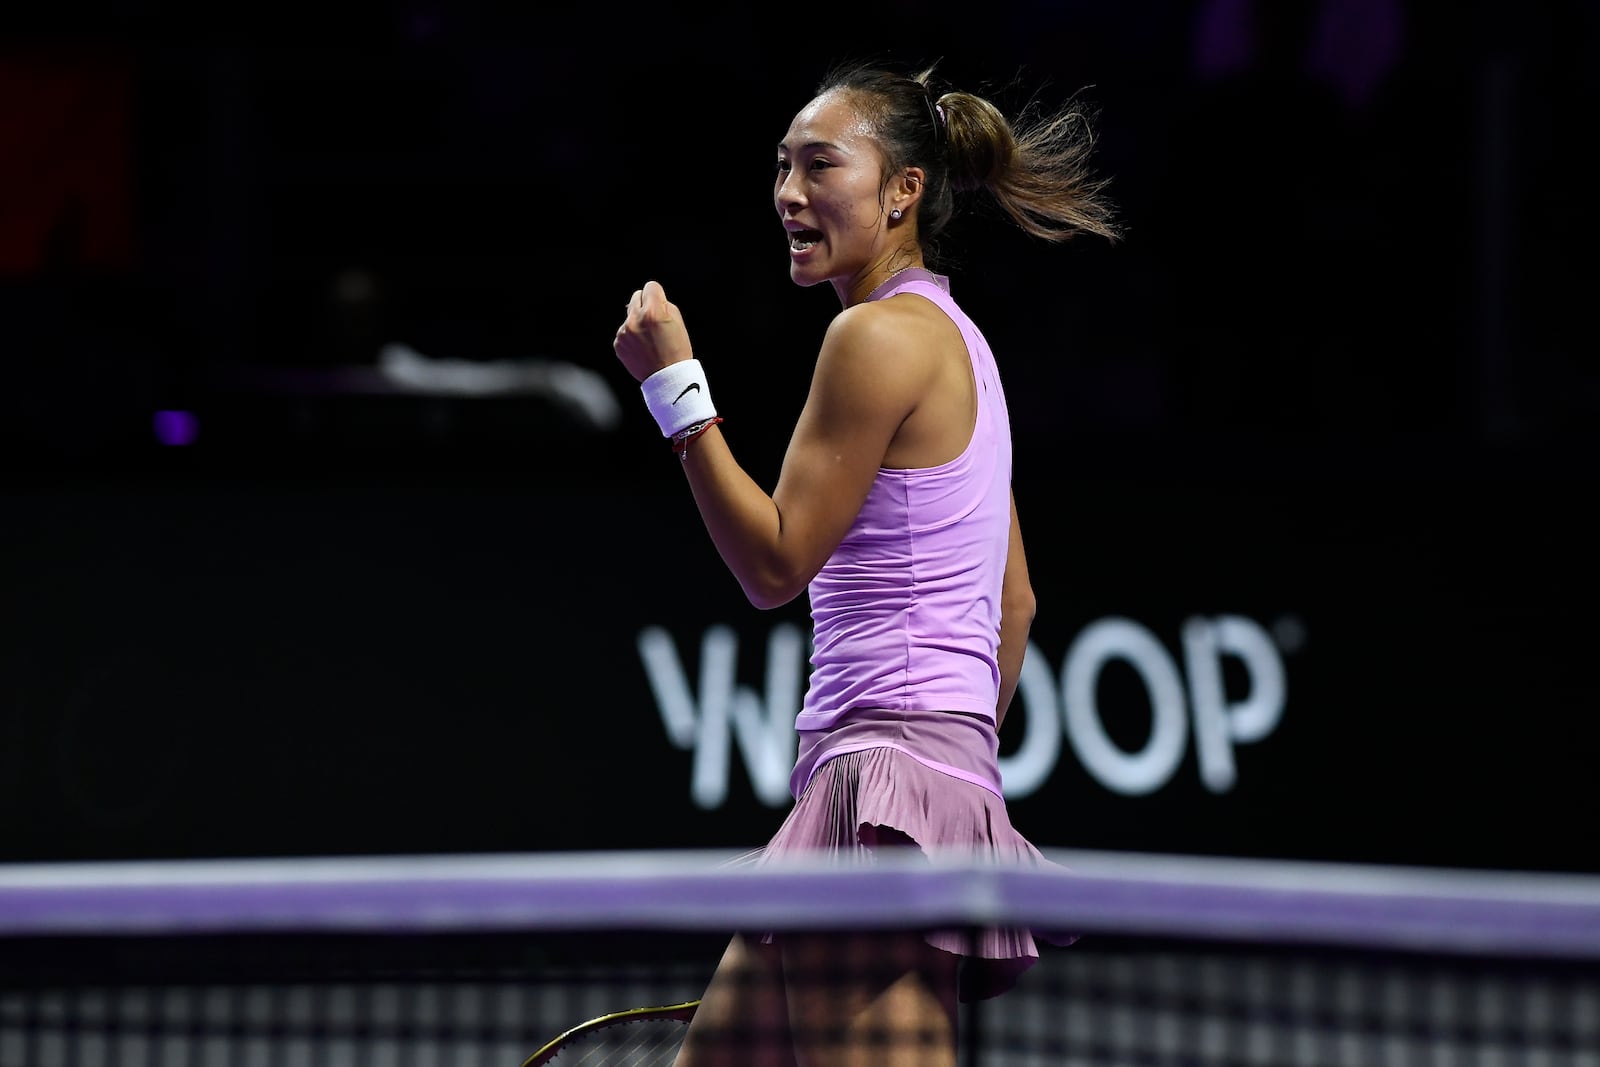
(1338, 378)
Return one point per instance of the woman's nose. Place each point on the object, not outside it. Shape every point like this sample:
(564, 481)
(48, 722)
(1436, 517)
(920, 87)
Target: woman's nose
(788, 193)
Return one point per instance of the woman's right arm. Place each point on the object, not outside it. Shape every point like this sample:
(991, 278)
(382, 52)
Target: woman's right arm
(1017, 608)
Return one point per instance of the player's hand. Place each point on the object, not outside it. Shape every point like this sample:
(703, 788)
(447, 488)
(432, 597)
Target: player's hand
(652, 334)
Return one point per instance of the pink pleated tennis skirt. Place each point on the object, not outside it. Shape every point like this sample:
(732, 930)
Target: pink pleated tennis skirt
(876, 798)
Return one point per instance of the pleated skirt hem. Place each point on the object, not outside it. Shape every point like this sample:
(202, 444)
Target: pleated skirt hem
(877, 798)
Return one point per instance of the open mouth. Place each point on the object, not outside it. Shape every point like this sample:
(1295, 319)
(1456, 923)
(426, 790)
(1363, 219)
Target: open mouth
(800, 240)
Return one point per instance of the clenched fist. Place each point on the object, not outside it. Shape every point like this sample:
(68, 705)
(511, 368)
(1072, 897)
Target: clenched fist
(652, 334)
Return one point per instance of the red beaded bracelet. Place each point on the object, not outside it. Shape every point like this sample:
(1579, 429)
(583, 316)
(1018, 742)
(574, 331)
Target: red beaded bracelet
(681, 439)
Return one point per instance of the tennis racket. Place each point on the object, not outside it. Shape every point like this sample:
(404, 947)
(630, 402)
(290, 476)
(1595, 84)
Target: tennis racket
(637, 1037)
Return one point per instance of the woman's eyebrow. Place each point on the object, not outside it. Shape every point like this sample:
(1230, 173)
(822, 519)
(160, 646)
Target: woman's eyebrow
(811, 144)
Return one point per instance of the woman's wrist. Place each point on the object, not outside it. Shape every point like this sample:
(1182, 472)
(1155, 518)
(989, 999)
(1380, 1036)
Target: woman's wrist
(678, 396)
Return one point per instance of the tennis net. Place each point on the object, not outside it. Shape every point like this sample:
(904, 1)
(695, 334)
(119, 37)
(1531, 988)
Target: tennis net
(482, 960)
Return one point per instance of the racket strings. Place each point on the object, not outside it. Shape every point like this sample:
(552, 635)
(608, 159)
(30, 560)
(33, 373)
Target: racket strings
(629, 1040)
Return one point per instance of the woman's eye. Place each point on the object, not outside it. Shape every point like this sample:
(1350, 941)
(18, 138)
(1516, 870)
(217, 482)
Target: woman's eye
(784, 165)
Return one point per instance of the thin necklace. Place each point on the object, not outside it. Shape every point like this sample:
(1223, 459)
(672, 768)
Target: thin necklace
(892, 276)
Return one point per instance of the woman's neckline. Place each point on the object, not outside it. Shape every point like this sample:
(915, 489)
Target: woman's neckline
(904, 275)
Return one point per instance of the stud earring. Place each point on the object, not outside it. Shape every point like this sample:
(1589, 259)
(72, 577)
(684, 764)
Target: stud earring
(896, 213)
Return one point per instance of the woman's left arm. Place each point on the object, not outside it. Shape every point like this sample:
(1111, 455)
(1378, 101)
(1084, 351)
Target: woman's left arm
(871, 372)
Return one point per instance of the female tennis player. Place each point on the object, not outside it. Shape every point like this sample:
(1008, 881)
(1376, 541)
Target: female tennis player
(893, 510)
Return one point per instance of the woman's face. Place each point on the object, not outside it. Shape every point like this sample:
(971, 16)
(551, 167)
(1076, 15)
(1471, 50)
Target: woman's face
(828, 192)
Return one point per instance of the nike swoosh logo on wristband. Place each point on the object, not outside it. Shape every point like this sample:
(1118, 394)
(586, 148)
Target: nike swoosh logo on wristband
(690, 388)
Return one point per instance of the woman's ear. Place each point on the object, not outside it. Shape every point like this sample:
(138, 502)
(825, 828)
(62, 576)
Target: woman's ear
(907, 189)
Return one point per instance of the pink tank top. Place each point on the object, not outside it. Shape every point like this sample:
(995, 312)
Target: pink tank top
(906, 612)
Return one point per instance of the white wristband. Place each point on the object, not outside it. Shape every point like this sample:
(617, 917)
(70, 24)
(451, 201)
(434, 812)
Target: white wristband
(678, 396)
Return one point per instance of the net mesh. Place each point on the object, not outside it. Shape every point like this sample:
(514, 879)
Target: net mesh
(461, 961)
